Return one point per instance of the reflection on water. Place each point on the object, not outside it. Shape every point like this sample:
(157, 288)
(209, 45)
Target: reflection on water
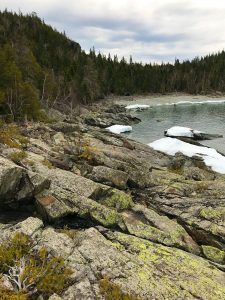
(208, 117)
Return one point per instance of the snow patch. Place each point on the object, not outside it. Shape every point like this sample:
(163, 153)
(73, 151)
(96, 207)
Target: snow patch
(119, 128)
(137, 106)
(181, 131)
(210, 156)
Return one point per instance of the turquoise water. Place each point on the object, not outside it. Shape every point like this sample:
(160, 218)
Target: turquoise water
(207, 117)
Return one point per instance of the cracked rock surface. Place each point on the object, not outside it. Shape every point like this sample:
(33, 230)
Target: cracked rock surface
(152, 224)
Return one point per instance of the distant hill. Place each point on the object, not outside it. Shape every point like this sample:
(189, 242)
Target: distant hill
(40, 67)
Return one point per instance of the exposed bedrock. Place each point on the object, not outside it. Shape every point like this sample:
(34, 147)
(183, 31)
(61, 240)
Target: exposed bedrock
(139, 267)
(152, 224)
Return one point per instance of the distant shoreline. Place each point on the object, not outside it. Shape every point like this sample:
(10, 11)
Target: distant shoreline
(159, 99)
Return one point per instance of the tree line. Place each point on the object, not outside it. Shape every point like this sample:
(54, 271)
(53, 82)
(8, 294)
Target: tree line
(42, 68)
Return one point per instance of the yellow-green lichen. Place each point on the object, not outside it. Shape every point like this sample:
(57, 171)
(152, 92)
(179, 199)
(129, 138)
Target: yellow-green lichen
(147, 256)
(210, 213)
(145, 231)
(173, 237)
(214, 254)
(118, 246)
(117, 199)
(105, 217)
(143, 276)
(165, 270)
(214, 228)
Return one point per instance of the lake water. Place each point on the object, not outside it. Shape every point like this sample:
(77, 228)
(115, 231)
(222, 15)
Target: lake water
(207, 117)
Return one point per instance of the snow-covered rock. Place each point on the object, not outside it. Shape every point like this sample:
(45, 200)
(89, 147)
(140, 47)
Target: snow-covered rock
(119, 128)
(210, 156)
(179, 131)
(137, 106)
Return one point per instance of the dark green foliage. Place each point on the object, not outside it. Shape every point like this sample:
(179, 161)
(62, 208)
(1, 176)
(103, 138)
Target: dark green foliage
(13, 251)
(48, 274)
(41, 67)
(18, 97)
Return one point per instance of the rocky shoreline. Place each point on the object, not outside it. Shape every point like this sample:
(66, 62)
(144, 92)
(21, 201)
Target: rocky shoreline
(152, 224)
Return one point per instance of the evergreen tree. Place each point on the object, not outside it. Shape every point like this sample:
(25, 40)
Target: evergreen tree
(40, 67)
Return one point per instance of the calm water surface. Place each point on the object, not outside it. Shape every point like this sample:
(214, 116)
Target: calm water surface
(207, 117)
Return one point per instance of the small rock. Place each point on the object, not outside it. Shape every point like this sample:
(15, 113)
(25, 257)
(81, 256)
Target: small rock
(59, 138)
(80, 291)
(54, 297)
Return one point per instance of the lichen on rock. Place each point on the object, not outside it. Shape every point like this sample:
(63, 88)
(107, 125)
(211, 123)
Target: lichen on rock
(214, 254)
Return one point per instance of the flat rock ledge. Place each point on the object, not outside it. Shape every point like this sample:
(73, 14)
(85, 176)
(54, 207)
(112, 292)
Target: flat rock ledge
(140, 267)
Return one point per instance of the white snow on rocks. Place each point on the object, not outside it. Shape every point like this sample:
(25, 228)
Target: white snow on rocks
(137, 106)
(211, 157)
(181, 131)
(119, 128)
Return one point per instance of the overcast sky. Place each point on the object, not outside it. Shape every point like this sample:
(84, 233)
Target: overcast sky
(149, 30)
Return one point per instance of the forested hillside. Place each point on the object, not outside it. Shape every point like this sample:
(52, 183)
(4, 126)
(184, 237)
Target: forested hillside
(40, 67)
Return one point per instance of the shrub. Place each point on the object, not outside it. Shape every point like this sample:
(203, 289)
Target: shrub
(43, 117)
(29, 162)
(17, 156)
(13, 251)
(11, 295)
(44, 273)
(111, 291)
(86, 151)
(31, 271)
(47, 164)
(70, 232)
(201, 186)
(11, 136)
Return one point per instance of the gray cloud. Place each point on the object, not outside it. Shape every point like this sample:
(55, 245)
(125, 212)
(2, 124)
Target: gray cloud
(149, 30)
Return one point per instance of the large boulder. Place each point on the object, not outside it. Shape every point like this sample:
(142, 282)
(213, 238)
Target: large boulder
(109, 176)
(15, 184)
(178, 131)
(110, 117)
(148, 224)
(10, 177)
(30, 226)
(65, 127)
